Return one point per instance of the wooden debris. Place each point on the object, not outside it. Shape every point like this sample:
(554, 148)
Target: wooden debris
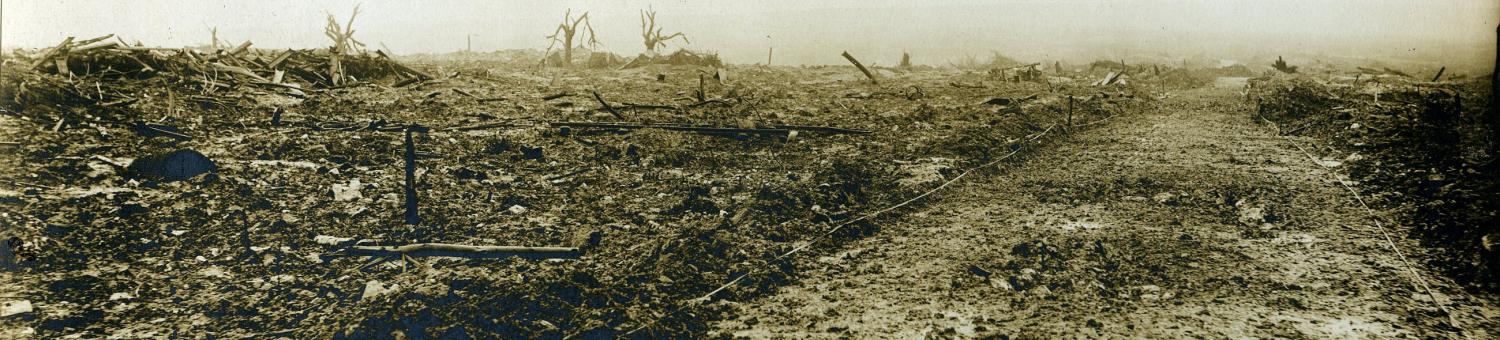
(467, 251)
(238, 66)
(861, 68)
(712, 130)
(611, 109)
(965, 86)
(153, 130)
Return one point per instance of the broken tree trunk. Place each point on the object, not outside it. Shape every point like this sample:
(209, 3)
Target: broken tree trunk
(1439, 74)
(861, 68)
(467, 251)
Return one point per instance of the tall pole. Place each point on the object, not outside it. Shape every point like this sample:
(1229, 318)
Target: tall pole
(469, 47)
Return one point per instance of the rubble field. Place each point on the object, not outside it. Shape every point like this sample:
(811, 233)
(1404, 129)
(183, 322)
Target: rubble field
(237, 192)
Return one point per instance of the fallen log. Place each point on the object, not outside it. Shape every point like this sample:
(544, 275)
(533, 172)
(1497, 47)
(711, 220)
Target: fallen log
(861, 67)
(467, 251)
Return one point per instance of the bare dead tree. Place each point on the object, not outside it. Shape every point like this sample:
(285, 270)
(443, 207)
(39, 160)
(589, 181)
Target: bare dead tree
(1281, 65)
(652, 34)
(343, 43)
(565, 33)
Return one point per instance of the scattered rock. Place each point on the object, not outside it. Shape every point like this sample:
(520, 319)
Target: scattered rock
(15, 307)
(1001, 285)
(1166, 198)
(1025, 280)
(1039, 291)
(517, 209)
(374, 289)
(925, 172)
(347, 192)
(531, 153)
(977, 270)
(173, 166)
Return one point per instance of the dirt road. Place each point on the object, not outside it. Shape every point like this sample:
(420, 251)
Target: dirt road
(1193, 221)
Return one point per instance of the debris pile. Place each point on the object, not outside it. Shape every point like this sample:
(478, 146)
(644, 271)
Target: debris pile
(681, 57)
(109, 60)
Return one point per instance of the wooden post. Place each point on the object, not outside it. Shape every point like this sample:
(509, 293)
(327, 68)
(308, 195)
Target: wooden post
(769, 50)
(1070, 110)
(702, 95)
(411, 180)
(1439, 74)
(861, 68)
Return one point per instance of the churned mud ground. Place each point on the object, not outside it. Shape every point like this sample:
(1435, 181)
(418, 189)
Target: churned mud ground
(1190, 221)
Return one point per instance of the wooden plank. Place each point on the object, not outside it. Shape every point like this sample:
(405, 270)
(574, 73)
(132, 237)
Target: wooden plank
(46, 56)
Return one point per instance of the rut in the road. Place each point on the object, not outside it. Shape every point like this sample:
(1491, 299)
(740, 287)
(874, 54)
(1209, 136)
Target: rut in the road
(1190, 221)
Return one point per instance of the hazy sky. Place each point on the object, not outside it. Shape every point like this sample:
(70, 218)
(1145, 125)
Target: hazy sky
(802, 31)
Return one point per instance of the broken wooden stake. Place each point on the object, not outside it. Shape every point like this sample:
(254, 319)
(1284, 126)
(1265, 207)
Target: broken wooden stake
(611, 109)
(701, 94)
(411, 180)
(1439, 74)
(1070, 110)
(861, 68)
(467, 251)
